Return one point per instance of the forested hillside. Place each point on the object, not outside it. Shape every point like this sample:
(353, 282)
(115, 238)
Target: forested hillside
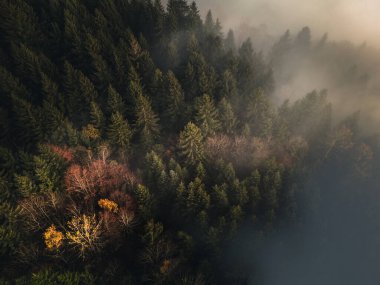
(140, 145)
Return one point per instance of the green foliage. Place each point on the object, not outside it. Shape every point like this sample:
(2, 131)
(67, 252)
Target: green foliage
(173, 103)
(146, 123)
(145, 202)
(119, 132)
(50, 277)
(227, 117)
(260, 114)
(191, 144)
(115, 102)
(206, 116)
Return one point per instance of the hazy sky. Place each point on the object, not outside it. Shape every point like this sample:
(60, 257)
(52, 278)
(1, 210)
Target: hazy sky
(356, 20)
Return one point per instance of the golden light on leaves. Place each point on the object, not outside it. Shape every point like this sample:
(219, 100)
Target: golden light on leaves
(91, 132)
(108, 205)
(84, 234)
(53, 238)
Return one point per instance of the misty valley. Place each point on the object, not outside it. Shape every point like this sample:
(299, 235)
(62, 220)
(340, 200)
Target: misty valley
(147, 142)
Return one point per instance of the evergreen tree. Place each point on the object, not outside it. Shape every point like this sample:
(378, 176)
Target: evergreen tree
(115, 102)
(195, 21)
(119, 132)
(197, 198)
(229, 42)
(173, 106)
(97, 116)
(260, 114)
(146, 123)
(209, 23)
(228, 88)
(206, 116)
(191, 144)
(227, 117)
(28, 123)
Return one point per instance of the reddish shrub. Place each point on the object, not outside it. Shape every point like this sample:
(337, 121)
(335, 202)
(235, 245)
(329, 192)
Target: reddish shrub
(62, 152)
(98, 177)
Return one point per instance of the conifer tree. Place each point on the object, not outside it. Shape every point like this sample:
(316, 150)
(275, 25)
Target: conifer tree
(173, 106)
(195, 21)
(229, 42)
(11, 85)
(197, 198)
(28, 122)
(119, 132)
(115, 102)
(209, 23)
(206, 116)
(20, 23)
(260, 114)
(228, 87)
(158, 18)
(227, 117)
(146, 123)
(79, 91)
(154, 171)
(97, 116)
(191, 144)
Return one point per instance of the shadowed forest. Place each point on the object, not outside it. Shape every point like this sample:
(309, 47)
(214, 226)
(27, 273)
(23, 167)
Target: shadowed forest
(141, 143)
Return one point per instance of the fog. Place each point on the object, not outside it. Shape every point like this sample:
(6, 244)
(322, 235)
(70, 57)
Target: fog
(340, 242)
(355, 20)
(351, 52)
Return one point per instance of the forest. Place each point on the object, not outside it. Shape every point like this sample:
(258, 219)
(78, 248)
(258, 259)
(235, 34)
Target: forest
(141, 144)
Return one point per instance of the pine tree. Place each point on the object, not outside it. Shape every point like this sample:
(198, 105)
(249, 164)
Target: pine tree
(197, 198)
(157, 91)
(146, 123)
(281, 48)
(173, 106)
(48, 169)
(20, 23)
(97, 116)
(229, 43)
(11, 85)
(28, 122)
(119, 132)
(195, 21)
(209, 23)
(115, 102)
(228, 87)
(158, 18)
(206, 116)
(80, 92)
(178, 11)
(145, 202)
(245, 73)
(260, 114)
(154, 171)
(303, 39)
(191, 144)
(227, 117)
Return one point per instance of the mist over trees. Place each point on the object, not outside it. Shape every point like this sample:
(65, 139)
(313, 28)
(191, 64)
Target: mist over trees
(140, 144)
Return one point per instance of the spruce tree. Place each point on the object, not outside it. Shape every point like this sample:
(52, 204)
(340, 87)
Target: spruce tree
(229, 43)
(173, 101)
(227, 117)
(146, 123)
(119, 132)
(191, 144)
(206, 116)
(115, 102)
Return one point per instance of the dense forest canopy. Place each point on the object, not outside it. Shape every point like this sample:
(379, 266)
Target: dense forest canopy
(141, 144)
